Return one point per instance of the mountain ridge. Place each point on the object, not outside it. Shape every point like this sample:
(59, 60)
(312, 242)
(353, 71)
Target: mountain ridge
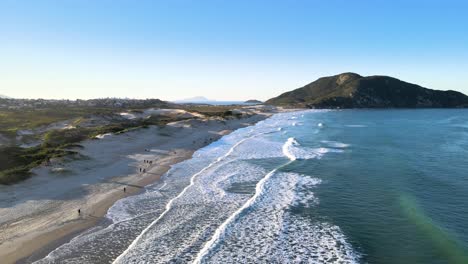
(351, 90)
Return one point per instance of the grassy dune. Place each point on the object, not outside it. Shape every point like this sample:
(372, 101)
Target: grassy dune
(13, 120)
(16, 162)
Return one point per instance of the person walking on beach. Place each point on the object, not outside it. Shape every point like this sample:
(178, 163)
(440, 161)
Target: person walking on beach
(125, 189)
(79, 211)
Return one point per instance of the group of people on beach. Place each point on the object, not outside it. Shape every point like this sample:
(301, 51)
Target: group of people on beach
(150, 162)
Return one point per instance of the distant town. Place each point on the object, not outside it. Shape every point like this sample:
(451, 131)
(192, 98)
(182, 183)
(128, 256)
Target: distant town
(9, 103)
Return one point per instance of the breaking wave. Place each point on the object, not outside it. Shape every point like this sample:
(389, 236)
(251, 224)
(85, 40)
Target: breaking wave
(287, 148)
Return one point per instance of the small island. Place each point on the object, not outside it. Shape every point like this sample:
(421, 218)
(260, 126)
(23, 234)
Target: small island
(253, 101)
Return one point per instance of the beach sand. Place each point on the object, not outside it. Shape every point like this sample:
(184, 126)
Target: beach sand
(39, 214)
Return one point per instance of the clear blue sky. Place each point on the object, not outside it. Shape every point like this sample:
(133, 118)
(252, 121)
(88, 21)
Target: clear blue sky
(226, 50)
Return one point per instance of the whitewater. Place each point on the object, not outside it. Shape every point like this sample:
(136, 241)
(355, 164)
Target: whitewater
(234, 201)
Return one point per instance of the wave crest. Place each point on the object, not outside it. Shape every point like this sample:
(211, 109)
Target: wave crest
(287, 148)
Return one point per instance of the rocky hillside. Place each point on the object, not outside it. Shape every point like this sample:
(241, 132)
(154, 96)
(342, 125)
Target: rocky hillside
(350, 90)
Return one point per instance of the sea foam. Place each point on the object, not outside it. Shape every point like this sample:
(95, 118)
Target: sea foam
(259, 191)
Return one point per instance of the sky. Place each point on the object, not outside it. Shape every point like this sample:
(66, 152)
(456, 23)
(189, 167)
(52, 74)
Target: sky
(224, 50)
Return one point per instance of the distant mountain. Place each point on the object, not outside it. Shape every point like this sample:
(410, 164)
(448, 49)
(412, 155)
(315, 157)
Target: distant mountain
(253, 101)
(206, 101)
(196, 99)
(350, 90)
(4, 96)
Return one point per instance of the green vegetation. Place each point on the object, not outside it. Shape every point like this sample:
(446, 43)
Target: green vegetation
(350, 90)
(229, 113)
(16, 162)
(13, 120)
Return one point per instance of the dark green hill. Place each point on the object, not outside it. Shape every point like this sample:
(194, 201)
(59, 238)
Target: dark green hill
(350, 90)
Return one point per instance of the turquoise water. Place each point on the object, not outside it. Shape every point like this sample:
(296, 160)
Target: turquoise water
(351, 186)
(400, 190)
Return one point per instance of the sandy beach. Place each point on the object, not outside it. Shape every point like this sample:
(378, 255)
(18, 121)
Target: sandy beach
(40, 213)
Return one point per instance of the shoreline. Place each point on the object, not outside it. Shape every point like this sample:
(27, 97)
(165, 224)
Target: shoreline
(45, 234)
(64, 234)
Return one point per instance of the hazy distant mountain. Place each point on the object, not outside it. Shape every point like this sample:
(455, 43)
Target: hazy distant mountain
(197, 99)
(4, 96)
(350, 90)
(204, 100)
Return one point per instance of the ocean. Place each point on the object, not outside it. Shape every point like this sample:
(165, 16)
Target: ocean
(317, 186)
